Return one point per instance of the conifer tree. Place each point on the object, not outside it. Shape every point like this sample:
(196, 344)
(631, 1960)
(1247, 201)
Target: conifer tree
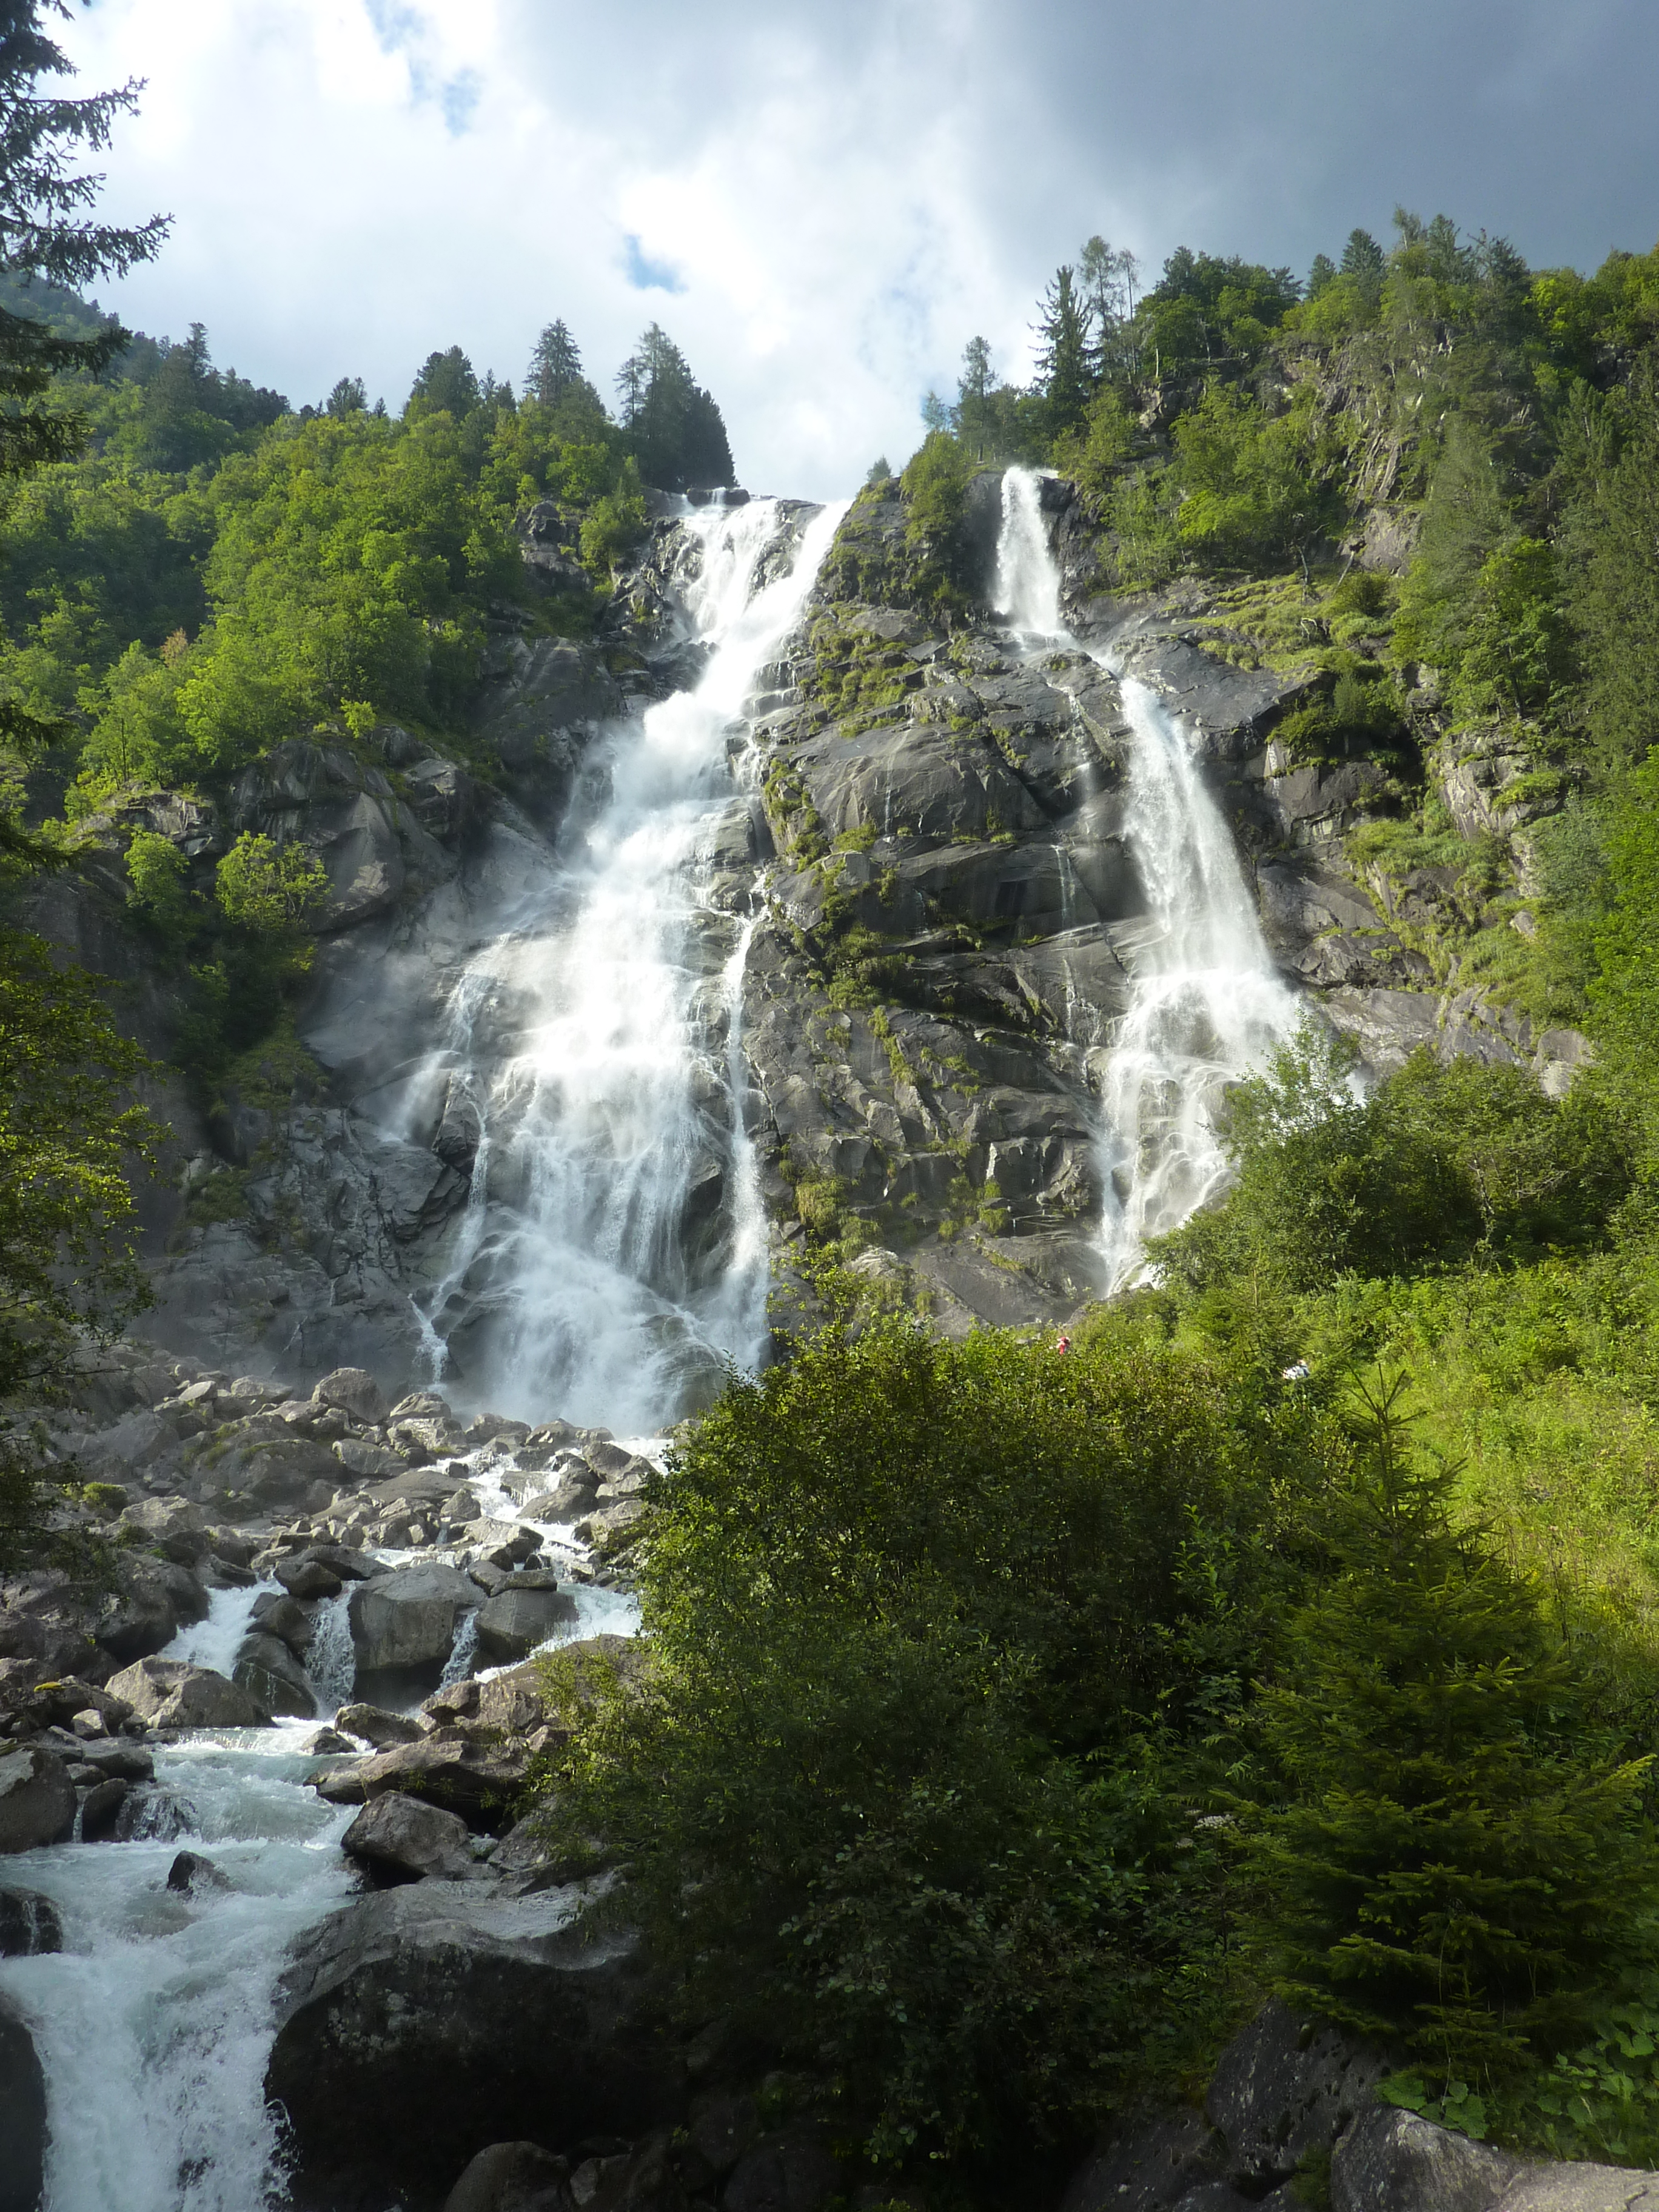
(1064, 365)
(1461, 1864)
(555, 366)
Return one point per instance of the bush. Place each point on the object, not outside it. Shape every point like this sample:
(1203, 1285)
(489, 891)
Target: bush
(940, 1631)
(1462, 1868)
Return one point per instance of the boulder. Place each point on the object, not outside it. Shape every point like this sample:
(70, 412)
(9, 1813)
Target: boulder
(527, 1860)
(282, 1617)
(268, 1670)
(383, 1729)
(28, 1924)
(420, 2021)
(37, 1800)
(792, 2170)
(1285, 2087)
(23, 2129)
(720, 2131)
(353, 1391)
(408, 1618)
(517, 1619)
(399, 1839)
(157, 1598)
(190, 1872)
(304, 1579)
(464, 1776)
(100, 1808)
(172, 1525)
(511, 2177)
(1581, 2189)
(1395, 2161)
(171, 1693)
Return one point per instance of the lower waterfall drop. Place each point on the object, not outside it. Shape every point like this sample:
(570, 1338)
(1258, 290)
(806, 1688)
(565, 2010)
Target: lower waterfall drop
(1206, 1005)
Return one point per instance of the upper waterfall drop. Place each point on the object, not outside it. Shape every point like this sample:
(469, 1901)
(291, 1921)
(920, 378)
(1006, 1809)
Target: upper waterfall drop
(1027, 579)
(1207, 1003)
(608, 1263)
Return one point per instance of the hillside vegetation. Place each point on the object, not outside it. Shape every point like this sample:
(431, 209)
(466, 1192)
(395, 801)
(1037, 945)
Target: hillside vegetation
(1022, 1714)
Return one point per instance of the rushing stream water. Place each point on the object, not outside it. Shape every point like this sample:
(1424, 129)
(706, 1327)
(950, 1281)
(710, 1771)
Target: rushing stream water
(1207, 1003)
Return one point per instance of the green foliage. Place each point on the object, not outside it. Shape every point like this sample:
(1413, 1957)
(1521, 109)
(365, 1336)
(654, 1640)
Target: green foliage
(931, 1624)
(269, 890)
(155, 870)
(615, 524)
(1437, 1163)
(1463, 1865)
(1253, 486)
(935, 488)
(69, 1136)
(1092, 453)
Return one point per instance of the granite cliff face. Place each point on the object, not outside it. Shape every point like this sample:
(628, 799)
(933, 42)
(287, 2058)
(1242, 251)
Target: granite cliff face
(910, 921)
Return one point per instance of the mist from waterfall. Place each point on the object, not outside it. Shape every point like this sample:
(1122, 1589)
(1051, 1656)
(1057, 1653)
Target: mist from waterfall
(1207, 1003)
(613, 1252)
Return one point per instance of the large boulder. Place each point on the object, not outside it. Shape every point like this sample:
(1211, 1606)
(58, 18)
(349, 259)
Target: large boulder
(37, 1800)
(172, 1525)
(356, 1392)
(171, 1693)
(156, 1598)
(23, 2131)
(268, 1670)
(1285, 2087)
(477, 1780)
(421, 2022)
(28, 1924)
(792, 2170)
(408, 1618)
(398, 1839)
(512, 2177)
(525, 1613)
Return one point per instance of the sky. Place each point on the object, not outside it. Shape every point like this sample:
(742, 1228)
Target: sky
(820, 202)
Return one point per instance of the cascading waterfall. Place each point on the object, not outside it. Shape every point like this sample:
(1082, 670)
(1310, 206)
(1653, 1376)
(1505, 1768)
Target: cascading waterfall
(330, 1655)
(1207, 1004)
(613, 1255)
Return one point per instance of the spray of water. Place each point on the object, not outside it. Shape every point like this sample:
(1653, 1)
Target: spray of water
(1207, 1004)
(613, 1255)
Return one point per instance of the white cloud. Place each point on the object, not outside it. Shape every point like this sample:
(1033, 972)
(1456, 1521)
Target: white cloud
(843, 195)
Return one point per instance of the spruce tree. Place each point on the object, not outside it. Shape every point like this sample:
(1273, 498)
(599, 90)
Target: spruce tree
(1064, 364)
(1461, 1865)
(555, 366)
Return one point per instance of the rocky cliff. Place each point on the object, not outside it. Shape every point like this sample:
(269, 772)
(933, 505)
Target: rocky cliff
(928, 837)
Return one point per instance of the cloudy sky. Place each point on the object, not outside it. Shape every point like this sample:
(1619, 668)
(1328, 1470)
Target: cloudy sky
(821, 203)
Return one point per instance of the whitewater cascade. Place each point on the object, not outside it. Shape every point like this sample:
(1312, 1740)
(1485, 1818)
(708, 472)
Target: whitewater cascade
(613, 1252)
(1207, 1003)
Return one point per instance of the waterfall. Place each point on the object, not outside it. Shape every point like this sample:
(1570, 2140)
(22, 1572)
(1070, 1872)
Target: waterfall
(612, 1256)
(1207, 1003)
(330, 1655)
(1027, 580)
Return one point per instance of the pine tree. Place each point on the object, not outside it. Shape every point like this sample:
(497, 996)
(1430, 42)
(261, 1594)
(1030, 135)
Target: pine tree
(447, 381)
(1461, 1866)
(678, 435)
(1063, 363)
(555, 366)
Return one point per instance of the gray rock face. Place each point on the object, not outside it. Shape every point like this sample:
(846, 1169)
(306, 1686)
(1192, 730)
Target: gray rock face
(515, 1620)
(1154, 2166)
(37, 1800)
(511, 2177)
(477, 1780)
(791, 2170)
(23, 2129)
(1283, 2087)
(268, 1670)
(420, 2021)
(170, 1693)
(28, 1924)
(400, 1839)
(1394, 2161)
(408, 1618)
(381, 1728)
